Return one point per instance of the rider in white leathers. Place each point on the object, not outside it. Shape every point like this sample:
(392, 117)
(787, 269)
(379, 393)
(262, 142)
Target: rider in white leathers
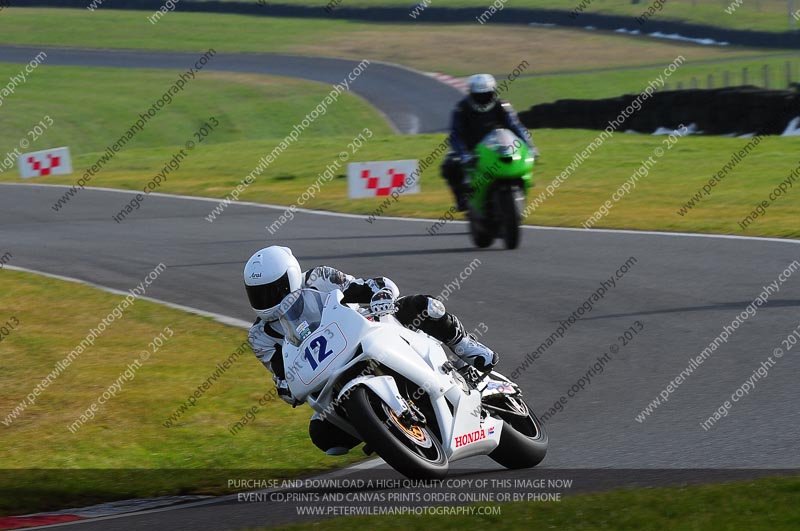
(273, 272)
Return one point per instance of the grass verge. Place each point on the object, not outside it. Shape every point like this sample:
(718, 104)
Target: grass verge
(460, 49)
(758, 504)
(125, 450)
(766, 15)
(215, 170)
(89, 110)
(609, 83)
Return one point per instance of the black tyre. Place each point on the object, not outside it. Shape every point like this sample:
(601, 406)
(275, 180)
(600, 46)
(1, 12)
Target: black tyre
(411, 449)
(523, 441)
(480, 236)
(508, 203)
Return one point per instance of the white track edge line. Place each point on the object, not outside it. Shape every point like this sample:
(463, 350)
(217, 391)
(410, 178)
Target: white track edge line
(364, 465)
(223, 319)
(426, 220)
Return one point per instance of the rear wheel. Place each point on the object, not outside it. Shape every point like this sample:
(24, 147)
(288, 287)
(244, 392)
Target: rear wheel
(407, 445)
(523, 441)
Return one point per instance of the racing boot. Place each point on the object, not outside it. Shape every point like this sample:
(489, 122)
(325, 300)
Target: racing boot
(463, 193)
(330, 438)
(472, 351)
(460, 192)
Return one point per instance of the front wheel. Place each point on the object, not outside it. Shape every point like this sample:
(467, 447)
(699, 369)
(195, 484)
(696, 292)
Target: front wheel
(523, 441)
(480, 236)
(510, 216)
(409, 447)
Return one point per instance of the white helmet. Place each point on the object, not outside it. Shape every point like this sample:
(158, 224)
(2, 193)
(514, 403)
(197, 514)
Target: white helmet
(269, 276)
(482, 92)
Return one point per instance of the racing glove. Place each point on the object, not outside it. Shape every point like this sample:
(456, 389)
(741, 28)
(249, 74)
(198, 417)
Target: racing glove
(284, 392)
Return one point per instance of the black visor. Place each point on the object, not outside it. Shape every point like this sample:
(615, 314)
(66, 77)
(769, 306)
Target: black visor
(268, 295)
(483, 98)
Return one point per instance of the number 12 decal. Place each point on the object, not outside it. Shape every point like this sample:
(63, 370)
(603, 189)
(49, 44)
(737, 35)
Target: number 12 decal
(320, 344)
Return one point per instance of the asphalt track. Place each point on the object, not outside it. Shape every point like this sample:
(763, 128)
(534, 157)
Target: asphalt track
(412, 101)
(682, 288)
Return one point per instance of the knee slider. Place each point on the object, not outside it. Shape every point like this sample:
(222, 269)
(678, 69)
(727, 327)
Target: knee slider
(435, 309)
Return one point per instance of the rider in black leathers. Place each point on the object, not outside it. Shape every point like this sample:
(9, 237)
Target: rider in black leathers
(474, 117)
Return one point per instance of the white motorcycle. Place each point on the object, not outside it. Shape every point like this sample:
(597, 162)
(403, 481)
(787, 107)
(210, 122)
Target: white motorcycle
(396, 390)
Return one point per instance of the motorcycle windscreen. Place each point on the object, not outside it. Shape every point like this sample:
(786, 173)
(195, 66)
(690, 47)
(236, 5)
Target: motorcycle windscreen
(301, 314)
(503, 141)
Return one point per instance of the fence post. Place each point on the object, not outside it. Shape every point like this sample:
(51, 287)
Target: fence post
(765, 69)
(710, 81)
(726, 79)
(744, 75)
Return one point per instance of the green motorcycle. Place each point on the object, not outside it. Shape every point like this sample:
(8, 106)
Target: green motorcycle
(499, 183)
